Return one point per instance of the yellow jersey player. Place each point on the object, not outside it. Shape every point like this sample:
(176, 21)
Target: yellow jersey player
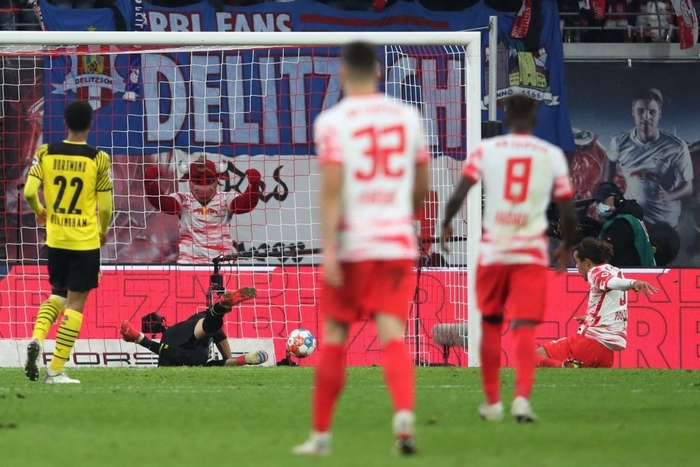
(78, 194)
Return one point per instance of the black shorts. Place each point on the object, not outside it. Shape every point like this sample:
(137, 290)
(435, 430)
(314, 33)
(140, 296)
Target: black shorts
(77, 271)
(188, 351)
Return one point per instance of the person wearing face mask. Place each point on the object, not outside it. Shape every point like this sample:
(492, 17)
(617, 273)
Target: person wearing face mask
(623, 228)
(205, 213)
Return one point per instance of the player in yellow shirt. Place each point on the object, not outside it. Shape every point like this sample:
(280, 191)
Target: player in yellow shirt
(78, 194)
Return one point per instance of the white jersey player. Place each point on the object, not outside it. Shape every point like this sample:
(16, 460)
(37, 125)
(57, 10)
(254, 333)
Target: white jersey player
(603, 329)
(377, 219)
(606, 314)
(520, 175)
(374, 178)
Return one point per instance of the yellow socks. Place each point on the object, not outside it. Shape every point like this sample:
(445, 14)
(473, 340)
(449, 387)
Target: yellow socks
(48, 312)
(65, 339)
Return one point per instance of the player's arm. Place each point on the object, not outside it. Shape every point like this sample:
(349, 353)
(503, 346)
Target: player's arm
(31, 187)
(685, 188)
(470, 175)
(104, 211)
(617, 283)
(104, 189)
(685, 173)
(331, 208)
(31, 194)
(328, 147)
(456, 199)
(453, 204)
(225, 348)
(247, 201)
(165, 203)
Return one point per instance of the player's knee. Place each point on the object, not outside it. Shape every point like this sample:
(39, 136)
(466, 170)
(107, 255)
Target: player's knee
(59, 297)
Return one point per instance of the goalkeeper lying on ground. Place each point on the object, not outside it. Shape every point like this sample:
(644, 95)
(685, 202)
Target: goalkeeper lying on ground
(188, 343)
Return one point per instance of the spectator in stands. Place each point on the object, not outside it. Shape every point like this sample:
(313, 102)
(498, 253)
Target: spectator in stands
(18, 15)
(204, 212)
(655, 21)
(189, 343)
(656, 165)
(623, 228)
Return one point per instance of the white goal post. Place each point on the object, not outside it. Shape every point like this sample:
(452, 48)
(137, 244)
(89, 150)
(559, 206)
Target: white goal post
(62, 42)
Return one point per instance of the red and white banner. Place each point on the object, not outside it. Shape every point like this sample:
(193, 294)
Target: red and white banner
(522, 22)
(687, 22)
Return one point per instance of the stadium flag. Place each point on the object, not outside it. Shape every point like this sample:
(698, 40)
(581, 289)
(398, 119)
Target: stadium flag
(687, 22)
(62, 19)
(537, 72)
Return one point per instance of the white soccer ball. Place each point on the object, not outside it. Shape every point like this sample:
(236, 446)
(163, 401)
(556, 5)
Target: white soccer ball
(301, 343)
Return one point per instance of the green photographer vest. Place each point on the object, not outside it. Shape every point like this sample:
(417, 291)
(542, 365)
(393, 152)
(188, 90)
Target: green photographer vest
(641, 238)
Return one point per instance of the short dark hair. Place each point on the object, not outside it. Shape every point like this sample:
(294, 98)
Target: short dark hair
(596, 249)
(520, 111)
(360, 59)
(648, 94)
(78, 116)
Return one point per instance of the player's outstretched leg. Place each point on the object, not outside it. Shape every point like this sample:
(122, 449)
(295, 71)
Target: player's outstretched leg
(233, 298)
(403, 423)
(521, 411)
(31, 367)
(256, 357)
(318, 444)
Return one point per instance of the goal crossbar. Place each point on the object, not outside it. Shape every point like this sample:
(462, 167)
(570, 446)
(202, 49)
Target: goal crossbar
(208, 38)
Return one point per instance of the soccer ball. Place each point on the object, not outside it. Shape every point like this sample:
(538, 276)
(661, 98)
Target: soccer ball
(301, 343)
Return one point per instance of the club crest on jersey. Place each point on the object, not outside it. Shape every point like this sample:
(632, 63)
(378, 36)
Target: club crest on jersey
(92, 78)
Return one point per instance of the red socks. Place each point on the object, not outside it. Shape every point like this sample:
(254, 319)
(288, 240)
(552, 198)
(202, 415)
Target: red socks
(399, 375)
(491, 361)
(525, 360)
(547, 362)
(329, 381)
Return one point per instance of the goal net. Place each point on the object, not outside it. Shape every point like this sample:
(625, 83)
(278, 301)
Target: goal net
(167, 104)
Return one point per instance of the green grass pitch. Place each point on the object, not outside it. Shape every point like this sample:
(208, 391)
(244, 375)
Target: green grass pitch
(253, 416)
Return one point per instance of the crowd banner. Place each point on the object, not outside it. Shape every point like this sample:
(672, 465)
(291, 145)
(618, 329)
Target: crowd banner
(131, 116)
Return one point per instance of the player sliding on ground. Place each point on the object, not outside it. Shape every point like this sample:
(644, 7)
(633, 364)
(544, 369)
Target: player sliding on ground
(603, 329)
(188, 343)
